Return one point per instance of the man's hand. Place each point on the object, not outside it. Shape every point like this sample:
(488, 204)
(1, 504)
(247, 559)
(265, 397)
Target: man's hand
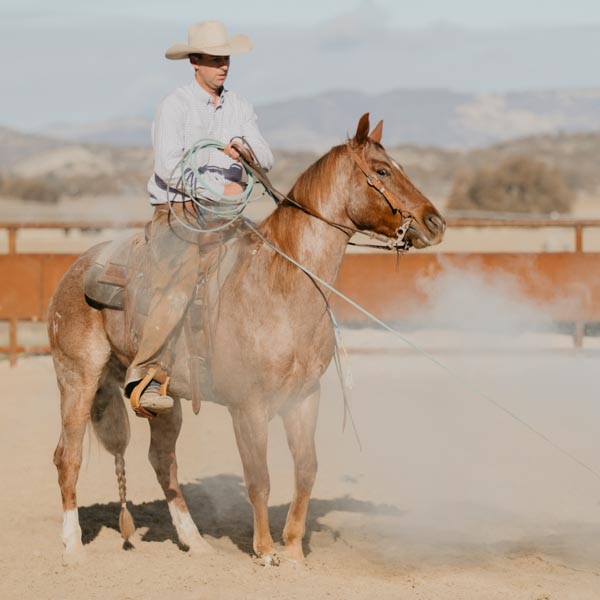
(233, 189)
(231, 151)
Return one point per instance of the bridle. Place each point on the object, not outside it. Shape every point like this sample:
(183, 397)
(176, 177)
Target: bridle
(374, 181)
(391, 198)
(397, 244)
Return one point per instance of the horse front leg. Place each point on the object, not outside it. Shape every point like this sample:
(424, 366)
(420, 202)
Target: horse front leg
(164, 431)
(300, 421)
(251, 432)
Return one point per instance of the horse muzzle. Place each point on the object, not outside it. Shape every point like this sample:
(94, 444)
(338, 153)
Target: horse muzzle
(426, 231)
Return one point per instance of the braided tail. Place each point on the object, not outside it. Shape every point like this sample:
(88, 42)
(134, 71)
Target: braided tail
(126, 524)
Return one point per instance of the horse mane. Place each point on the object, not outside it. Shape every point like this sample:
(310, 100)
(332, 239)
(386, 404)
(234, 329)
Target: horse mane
(312, 187)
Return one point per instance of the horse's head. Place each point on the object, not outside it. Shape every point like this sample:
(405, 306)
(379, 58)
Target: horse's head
(383, 200)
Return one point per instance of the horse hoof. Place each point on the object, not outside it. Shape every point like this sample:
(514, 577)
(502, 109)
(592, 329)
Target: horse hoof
(270, 560)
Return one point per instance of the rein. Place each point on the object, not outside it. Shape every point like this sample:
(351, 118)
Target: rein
(398, 244)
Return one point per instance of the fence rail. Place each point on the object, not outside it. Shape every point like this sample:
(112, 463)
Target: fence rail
(568, 282)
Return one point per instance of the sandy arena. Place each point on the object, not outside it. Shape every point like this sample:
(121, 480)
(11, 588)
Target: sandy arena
(449, 499)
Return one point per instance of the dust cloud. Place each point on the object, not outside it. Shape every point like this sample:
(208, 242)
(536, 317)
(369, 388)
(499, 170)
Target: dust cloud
(449, 476)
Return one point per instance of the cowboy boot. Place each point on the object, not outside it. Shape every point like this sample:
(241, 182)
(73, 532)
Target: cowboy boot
(149, 398)
(154, 401)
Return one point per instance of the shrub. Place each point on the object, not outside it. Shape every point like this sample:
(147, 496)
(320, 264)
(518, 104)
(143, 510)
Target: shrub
(50, 188)
(29, 188)
(519, 184)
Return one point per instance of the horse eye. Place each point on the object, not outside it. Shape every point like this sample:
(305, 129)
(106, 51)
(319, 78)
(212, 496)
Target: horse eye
(383, 172)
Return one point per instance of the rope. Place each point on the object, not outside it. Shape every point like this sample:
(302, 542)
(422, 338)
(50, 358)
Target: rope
(340, 358)
(212, 215)
(457, 376)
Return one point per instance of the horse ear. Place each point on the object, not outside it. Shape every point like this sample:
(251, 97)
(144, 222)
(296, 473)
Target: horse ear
(376, 134)
(362, 131)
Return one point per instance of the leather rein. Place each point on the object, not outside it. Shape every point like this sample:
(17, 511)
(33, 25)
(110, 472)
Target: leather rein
(397, 244)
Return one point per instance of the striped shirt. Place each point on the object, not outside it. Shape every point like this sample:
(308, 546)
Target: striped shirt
(187, 116)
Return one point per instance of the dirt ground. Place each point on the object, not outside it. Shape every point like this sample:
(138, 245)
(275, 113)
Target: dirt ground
(450, 497)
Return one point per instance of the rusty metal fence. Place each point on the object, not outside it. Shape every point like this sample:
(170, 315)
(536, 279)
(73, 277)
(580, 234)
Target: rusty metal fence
(567, 282)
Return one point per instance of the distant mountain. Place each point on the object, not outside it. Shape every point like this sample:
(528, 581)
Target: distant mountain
(16, 146)
(422, 117)
(133, 131)
(430, 117)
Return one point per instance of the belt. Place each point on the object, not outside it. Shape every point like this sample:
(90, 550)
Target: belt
(169, 189)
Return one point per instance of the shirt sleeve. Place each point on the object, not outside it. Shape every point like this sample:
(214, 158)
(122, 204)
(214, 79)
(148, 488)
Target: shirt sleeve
(168, 140)
(258, 143)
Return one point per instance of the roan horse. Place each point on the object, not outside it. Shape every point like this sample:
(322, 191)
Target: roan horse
(272, 341)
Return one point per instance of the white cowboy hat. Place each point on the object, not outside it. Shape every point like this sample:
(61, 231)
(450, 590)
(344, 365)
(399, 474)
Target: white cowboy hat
(210, 37)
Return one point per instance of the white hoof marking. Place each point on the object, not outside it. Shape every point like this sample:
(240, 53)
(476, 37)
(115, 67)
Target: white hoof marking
(71, 531)
(187, 532)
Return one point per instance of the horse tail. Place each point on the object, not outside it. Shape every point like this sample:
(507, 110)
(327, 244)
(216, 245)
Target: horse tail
(126, 524)
(111, 425)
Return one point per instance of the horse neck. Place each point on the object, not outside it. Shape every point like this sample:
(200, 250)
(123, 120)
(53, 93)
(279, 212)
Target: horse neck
(316, 245)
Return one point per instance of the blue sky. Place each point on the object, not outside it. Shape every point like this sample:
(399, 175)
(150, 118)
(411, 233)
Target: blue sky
(81, 61)
(399, 13)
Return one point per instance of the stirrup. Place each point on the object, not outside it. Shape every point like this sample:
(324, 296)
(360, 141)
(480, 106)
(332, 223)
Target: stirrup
(138, 391)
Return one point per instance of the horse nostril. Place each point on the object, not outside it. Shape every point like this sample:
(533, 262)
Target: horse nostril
(435, 223)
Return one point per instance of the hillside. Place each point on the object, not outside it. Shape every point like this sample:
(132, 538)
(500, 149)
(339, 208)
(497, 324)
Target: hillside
(84, 168)
(16, 146)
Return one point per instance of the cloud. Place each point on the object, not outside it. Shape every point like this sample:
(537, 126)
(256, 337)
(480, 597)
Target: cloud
(81, 70)
(356, 28)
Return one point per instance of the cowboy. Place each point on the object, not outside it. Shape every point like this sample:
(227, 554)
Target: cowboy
(202, 109)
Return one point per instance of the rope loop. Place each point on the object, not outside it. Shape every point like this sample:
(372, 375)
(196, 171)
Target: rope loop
(213, 215)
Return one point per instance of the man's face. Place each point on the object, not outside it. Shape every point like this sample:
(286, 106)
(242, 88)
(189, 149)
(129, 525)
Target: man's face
(211, 71)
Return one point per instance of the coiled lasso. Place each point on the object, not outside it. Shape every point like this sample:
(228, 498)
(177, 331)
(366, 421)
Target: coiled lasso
(222, 212)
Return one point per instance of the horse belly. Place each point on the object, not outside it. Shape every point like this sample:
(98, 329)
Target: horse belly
(274, 367)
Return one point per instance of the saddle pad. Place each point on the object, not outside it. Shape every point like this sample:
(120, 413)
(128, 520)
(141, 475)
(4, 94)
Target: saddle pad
(107, 275)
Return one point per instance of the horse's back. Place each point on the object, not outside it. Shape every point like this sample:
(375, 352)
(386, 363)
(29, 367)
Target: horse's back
(73, 322)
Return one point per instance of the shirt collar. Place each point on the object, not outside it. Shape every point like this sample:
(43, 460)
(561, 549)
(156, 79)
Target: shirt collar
(206, 98)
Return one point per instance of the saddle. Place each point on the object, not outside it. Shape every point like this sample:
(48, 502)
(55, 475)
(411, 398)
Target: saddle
(119, 280)
(105, 280)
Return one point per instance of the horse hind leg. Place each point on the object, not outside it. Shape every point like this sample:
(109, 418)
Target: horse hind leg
(300, 421)
(164, 431)
(78, 378)
(111, 425)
